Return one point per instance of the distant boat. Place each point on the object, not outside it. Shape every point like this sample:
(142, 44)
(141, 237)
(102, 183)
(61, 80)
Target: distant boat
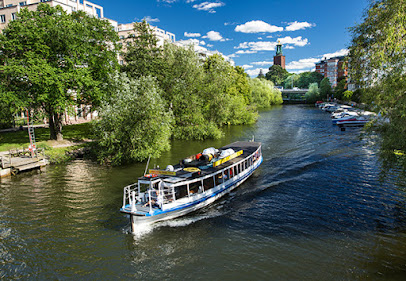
(194, 183)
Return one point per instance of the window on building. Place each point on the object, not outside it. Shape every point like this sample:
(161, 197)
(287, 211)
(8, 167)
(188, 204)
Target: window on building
(14, 16)
(23, 3)
(2, 18)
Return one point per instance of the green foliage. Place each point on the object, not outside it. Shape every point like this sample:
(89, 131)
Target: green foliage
(226, 91)
(52, 60)
(378, 62)
(291, 80)
(347, 95)
(143, 57)
(325, 88)
(340, 89)
(302, 80)
(264, 94)
(307, 78)
(277, 74)
(313, 94)
(135, 123)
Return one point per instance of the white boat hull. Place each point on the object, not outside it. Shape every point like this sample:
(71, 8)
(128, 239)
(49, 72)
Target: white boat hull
(223, 189)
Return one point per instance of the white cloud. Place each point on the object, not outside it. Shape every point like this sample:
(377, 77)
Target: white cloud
(297, 41)
(254, 72)
(208, 6)
(192, 41)
(342, 52)
(271, 46)
(258, 46)
(302, 64)
(309, 63)
(257, 26)
(247, 66)
(187, 34)
(262, 62)
(230, 23)
(214, 36)
(150, 19)
(293, 26)
(209, 45)
(245, 52)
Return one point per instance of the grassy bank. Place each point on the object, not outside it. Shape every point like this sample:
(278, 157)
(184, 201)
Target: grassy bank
(75, 137)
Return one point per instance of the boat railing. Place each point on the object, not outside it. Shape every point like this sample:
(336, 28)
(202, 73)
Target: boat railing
(130, 196)
(150, 197)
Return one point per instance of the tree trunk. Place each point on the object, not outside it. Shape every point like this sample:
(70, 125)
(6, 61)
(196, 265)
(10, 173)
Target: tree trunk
(55, 126)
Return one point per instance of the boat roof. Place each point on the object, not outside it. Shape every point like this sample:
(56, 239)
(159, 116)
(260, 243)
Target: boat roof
(248, 148)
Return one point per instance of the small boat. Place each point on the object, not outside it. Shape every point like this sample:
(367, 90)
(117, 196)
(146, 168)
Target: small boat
(353, 122)
(194, 183)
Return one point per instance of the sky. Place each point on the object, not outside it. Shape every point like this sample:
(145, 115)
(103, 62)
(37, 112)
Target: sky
(248, 31)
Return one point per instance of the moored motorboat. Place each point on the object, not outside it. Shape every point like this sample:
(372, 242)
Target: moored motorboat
(353, 122)
(195, 182)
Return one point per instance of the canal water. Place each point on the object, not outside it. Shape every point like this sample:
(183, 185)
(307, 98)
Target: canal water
(314, 210)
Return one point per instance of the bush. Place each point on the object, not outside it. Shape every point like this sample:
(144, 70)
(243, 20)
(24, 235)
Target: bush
(135, 124)
(313, 94)
(264, 94)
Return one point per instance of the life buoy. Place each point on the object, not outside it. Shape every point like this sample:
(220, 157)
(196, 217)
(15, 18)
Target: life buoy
(150, 176)
(191, 169)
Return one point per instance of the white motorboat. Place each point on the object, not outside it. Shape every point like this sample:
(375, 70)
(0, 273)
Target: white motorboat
(194, 183)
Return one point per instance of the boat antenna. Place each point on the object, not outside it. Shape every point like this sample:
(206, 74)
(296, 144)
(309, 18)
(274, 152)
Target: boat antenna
(146, 168)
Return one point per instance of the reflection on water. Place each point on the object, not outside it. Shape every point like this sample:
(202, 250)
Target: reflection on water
(314, 210)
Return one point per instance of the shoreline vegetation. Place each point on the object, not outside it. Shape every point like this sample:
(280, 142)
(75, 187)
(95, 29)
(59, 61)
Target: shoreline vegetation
(159, 93)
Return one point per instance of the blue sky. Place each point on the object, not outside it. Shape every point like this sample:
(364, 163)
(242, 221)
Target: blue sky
(248, 30)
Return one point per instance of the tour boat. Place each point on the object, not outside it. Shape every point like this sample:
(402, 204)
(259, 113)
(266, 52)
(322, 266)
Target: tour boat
(195, 182)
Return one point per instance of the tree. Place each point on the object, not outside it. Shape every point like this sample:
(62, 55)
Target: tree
(378, 61)
(313, 94)
(135, 123)
(307, 78)
(264, 93)
(276, 74)
(143, 56)
(340, 88)
(347, 95)
(52, 60)
(291, 81)
(325, 88)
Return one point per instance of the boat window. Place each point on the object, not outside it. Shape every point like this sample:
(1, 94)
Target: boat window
(219, 178)
(144, 187)
(194, 187)
(237, 169)
(180, 191)
(228, 174)
(208, 183)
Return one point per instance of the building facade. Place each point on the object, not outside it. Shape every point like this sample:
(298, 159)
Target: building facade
(333, 69)
(279, 58)
(10, 8)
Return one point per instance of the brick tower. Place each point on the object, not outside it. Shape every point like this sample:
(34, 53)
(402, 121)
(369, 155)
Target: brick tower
(279, 59)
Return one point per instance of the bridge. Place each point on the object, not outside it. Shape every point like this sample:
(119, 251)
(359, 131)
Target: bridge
(294, 95)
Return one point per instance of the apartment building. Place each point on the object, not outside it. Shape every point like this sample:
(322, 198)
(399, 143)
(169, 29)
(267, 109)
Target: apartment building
(126, 32)
(10, 8)
(333, 69)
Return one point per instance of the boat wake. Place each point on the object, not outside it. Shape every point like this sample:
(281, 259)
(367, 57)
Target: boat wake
(145, 229)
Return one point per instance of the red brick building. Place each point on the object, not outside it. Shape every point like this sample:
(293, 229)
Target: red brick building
(279, 59)
(333, 69)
